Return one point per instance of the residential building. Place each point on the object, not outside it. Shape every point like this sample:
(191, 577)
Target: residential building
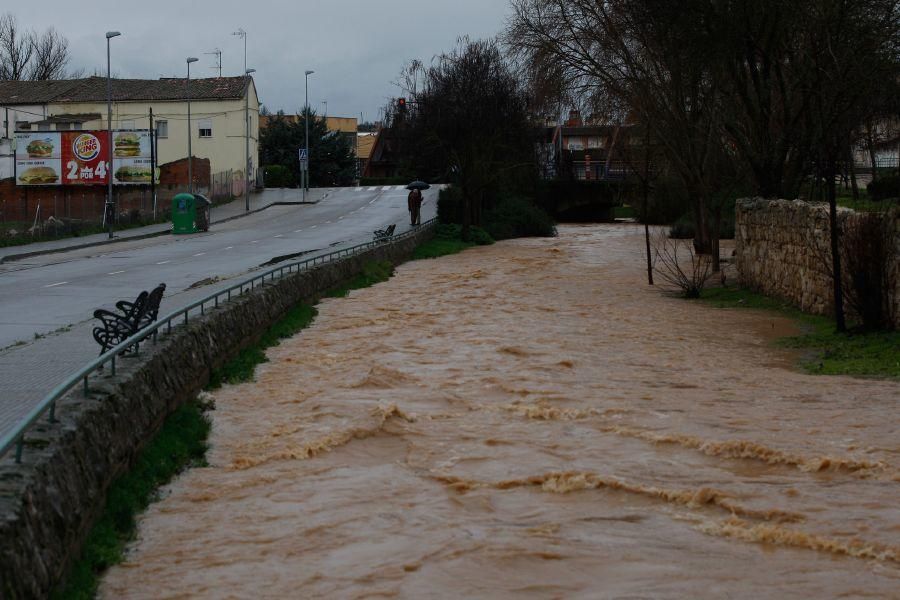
(217, 113)
(218, 131)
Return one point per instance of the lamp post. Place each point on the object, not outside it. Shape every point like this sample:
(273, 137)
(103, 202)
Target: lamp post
(247, 73)
(306, 122)
(108, 211)
(187, 86)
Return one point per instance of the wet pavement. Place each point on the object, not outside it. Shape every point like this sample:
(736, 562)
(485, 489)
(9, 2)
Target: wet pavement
(530, 419)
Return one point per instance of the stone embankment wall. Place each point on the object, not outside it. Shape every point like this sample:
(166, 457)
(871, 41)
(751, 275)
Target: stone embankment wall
(50, 501)
(783, 250)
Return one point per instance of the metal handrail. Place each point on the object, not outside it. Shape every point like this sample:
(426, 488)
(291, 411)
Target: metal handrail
(16, 437)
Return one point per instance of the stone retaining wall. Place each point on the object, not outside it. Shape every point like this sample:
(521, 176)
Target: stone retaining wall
(50, 501)
(783, 250)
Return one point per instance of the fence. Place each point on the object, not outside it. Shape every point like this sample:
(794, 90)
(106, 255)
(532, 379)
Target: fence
(16, 437)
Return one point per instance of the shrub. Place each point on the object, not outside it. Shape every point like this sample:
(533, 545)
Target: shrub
(667, 200)
(683, 228)
(516, 216)
(867, 246)
(278, 176)
(886, 186)
(449, 207)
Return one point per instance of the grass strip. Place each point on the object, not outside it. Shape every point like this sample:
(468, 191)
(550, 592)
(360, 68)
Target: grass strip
(241, 368)
(826, 352)
(373, 272)
(180, 444)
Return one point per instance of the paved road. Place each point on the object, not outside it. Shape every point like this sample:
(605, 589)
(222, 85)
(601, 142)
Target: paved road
(46, 301)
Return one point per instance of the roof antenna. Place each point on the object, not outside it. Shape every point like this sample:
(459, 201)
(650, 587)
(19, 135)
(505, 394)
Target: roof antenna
(218, 54)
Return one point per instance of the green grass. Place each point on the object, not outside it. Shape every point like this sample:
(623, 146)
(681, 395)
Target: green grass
(24, 238)
(180, 444)
(373, 272)
(241, 368)
(624, 212)
(448, 240)
(824, 350)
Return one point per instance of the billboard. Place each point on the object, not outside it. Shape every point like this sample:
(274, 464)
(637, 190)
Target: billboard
(82, 158)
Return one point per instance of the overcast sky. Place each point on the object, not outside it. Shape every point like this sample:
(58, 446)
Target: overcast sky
(356, 47)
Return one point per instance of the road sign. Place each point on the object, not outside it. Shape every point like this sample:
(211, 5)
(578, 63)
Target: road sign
(303, 155)
(304, 164)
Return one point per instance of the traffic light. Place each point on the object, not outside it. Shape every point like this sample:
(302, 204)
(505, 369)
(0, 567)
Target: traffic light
(401, 103)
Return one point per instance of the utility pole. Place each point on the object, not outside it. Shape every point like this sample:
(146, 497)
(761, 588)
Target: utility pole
(153, 163)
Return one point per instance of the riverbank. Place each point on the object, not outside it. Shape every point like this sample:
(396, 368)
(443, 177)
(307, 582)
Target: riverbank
(530, 419)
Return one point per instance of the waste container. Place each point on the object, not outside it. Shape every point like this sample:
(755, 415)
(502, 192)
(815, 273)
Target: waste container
(201, 209)
(184, 214)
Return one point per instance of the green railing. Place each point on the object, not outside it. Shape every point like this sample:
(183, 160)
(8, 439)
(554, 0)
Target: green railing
(16, 437)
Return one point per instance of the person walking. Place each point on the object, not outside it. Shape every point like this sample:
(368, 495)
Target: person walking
(414, 202)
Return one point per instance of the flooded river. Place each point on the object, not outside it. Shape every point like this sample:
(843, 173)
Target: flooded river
(531, 420)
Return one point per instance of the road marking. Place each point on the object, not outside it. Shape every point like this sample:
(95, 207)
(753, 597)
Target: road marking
(200, 254)
(164, 262)
(279, 235)
(328, 222)
(56, 284)
(297, 230)
(386, 188)
(115, 272)
(372, 189)
(339, 218)
(255, 242)
(314, 226)
(229, 247)
(359, 189)
(372, 201)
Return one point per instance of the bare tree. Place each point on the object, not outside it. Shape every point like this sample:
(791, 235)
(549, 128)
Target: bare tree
(49, 57)
(28, 55)
(16, 48)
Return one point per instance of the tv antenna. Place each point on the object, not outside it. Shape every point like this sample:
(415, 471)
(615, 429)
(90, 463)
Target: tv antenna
(218, 54)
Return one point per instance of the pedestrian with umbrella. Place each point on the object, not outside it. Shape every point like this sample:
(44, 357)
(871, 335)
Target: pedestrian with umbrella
(414, 201)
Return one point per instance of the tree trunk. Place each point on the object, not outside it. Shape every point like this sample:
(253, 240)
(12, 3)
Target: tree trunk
(714, 240)
(851, 168)
(646, 194)
(840, 323)
(870, 146)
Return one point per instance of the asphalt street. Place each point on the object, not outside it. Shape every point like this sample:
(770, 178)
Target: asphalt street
(46, 302)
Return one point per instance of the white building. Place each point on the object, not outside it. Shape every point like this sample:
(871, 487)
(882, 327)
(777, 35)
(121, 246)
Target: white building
(218, 109)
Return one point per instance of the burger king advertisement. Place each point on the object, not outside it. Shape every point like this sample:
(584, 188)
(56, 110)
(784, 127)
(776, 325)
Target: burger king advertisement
(82, 158)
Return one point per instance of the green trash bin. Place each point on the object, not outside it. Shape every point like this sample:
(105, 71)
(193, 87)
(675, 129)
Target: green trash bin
(184, 214)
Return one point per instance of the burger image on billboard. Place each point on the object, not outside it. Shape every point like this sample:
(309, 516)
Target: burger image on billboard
(133, 174)
(127, 144)
(39, 148)
(38, 175)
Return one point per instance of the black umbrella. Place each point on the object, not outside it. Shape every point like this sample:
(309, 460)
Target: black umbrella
(418, 185)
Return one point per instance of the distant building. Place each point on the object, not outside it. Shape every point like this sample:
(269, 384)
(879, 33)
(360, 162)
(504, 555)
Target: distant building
(217, 114)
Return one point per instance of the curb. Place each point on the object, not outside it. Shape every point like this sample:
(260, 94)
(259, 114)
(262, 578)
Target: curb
(14, 257)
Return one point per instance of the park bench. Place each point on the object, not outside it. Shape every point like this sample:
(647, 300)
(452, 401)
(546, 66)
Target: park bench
(385, 234)
(116, 327)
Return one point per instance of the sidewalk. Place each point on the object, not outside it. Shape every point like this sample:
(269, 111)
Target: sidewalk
(218, 214)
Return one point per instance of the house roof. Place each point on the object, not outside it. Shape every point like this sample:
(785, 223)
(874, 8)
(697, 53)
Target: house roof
(93, 89)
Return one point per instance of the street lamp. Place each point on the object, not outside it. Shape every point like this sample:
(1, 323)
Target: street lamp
(247, 73)
(108, 211)
(306, 122)
(187, 87)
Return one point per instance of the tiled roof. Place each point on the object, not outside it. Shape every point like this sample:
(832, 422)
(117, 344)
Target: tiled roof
(93, 89)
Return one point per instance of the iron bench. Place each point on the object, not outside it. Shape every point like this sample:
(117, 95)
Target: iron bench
(382, 235)
(116, 327)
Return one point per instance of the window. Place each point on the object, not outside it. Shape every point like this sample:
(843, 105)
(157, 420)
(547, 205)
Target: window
(63, 126)
(23, 125)
(43, 126)
(162, 129)
(205, 127)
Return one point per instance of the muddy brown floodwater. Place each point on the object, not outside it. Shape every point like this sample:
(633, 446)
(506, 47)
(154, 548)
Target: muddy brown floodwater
(531, 420)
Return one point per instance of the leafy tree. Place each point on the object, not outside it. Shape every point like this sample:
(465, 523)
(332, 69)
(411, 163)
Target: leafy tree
(467, 120)
(331, 163)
